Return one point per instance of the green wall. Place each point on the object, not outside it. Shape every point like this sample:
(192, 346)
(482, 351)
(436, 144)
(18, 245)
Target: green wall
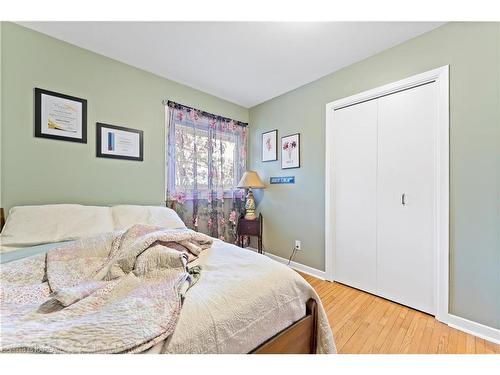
(38, 170)
(473, 52)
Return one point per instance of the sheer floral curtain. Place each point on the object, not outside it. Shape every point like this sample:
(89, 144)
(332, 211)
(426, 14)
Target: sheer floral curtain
(206, 157)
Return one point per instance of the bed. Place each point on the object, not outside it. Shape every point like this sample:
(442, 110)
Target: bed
(243, 302)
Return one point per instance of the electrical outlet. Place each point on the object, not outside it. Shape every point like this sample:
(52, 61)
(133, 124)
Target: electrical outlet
(298, 245)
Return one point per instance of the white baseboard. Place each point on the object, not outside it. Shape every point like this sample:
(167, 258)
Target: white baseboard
(473, 328)
(298, 266)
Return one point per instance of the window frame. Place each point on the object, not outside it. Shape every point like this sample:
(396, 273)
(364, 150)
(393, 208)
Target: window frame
(170, 183)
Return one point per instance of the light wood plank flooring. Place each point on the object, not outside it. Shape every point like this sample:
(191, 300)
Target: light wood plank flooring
(364, 323)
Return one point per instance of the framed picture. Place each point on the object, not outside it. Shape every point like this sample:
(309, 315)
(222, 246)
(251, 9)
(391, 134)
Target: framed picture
(290, 151)
(117, 142)
(60, 116)
(270, 146)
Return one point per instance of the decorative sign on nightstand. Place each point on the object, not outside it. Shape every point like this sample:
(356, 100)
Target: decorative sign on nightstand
(282, 180)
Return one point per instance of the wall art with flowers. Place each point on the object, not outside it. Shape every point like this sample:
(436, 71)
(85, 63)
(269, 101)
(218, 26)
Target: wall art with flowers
(270, 146)
(290, 151)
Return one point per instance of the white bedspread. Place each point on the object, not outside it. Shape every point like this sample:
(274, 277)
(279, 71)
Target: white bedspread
(233, 309)
(242, 299)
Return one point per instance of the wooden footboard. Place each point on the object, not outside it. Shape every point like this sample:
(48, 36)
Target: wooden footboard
(2, 218)
(299, 338)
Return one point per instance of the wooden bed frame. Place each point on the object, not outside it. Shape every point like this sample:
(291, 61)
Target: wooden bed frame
(2, 218)
(299, 338)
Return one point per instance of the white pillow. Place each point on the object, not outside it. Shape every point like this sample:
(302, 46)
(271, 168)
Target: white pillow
(125, 216)
(32, 225)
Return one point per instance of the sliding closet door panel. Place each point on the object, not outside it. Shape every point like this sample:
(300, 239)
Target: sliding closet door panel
(407, 123)
(355, 163)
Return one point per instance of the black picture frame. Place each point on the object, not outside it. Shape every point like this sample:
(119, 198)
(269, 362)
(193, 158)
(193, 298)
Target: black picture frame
(38, 116)
(99, 154)
(275, 131)
(298, 150)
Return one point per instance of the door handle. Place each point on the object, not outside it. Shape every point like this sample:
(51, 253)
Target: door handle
(403, 199)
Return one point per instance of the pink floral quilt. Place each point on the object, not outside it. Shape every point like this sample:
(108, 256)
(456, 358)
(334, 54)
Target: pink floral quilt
(113, 293)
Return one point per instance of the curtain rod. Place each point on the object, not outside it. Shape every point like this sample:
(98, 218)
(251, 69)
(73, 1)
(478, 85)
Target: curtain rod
(203, 113)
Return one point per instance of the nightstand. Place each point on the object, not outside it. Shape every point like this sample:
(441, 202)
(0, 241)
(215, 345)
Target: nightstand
(250, 228)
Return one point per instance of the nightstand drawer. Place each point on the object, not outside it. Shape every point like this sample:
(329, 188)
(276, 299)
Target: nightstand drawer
(249, 227)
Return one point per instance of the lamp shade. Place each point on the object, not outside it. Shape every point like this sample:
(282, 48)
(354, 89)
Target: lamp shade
(251, 180)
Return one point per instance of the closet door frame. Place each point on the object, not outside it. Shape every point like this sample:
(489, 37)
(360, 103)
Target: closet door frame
(441, 245)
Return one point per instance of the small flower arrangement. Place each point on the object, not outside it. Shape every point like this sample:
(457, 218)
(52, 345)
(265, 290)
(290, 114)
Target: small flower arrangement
(268, 144)
(289, 146)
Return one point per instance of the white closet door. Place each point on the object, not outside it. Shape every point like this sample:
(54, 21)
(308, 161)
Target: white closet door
(355, 168)
(407, 123)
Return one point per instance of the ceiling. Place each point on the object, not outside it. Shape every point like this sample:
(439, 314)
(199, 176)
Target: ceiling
(244, 62)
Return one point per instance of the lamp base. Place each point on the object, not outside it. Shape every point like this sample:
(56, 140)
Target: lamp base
(250, 215)
(250, 206)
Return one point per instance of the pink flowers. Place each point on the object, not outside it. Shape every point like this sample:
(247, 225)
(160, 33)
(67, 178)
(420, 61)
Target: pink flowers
(194, 115)
(268, 144)
(179, 196)
(289, 146)
(233, 217)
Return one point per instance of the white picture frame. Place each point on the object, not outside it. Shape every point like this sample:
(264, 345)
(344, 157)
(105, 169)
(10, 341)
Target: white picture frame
(290, 151)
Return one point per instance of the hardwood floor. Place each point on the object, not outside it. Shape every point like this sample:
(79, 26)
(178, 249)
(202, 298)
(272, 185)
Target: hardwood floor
(364, 323)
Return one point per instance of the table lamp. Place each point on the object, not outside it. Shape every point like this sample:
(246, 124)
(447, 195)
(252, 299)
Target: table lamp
(250, 180)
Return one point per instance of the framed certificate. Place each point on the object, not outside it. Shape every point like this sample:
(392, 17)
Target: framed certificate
(117, 142)
(60, 116)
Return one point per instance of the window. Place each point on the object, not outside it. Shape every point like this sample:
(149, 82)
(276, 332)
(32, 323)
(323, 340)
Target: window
(206, 155)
